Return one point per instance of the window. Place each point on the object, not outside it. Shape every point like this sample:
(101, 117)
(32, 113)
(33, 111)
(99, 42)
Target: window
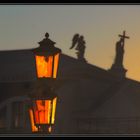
(17, 114)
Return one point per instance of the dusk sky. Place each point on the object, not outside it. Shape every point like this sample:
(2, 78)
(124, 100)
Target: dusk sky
(22, 26)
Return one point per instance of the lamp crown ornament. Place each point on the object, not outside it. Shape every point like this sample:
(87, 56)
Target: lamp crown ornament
(46, 45)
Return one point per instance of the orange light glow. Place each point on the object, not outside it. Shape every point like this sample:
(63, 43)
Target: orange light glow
(44, 66)
(50, 129)
(42, 112)
(53, 110)
(47, 66)
(56, 59)
(34, 128)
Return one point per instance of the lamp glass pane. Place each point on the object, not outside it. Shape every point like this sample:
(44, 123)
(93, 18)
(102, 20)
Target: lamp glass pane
(42, 111)
(33, 127)
(56, 59)
(53, 110)
(44, 66)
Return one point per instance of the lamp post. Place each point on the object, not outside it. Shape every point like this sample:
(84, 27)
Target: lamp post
(43, 98)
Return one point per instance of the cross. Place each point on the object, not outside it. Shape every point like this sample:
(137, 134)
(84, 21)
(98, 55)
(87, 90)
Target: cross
(123, 36)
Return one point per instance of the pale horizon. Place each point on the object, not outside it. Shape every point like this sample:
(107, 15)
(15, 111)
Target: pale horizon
(23, 26)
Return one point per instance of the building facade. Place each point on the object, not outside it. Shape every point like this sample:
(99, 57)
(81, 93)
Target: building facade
(91, 100)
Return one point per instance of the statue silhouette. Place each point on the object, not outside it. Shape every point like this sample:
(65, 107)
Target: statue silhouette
(117, 66)
(120, 49)
(80, 47)
(119, 52)
(74, 40)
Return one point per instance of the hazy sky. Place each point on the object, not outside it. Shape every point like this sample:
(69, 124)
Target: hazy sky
(22, 26)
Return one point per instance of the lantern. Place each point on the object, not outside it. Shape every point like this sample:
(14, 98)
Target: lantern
(43, 99)
(42, 110)
(46, 58)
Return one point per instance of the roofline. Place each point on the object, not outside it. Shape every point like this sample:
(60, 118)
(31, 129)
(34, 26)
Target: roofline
(91, 65)
(15, 50)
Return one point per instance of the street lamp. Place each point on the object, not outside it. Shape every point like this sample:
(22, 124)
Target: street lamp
(43, 99)
(46, 58)
(42, 108)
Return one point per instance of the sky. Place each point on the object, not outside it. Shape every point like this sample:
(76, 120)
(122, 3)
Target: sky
(23, 26)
